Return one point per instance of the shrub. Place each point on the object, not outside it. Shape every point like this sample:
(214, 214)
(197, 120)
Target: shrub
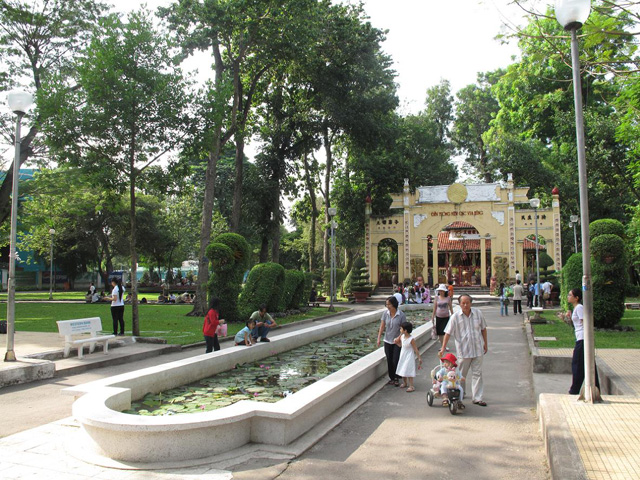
(606, 226)
(263, 286)
(228, 255)
(609, 271)
(292, 291)
(570, 278)
(308, 284)
(359, 277)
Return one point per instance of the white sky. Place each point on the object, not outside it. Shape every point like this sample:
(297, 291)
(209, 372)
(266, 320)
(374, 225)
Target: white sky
(428, 40)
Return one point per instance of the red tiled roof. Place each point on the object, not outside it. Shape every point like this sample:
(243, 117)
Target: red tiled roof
(531, 245)
(445, 244)
(458, 225)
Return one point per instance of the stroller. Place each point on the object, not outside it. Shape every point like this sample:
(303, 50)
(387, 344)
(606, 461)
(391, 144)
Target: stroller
(453, 394)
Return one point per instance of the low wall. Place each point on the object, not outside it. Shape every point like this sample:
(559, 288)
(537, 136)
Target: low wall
(148, 439)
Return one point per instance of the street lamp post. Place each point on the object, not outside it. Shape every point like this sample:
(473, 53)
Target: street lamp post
(535, 203)
(574, 220)
(19, 103)
(52, 232)
(332, 293)
(571, 14)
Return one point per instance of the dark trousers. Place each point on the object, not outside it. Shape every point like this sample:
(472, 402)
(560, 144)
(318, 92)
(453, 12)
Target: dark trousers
(212, 343)
(117, 314)
(577, 368)
(392, 352)
(517, 306)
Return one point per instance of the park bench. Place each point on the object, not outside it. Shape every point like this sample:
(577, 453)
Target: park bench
(92, 326)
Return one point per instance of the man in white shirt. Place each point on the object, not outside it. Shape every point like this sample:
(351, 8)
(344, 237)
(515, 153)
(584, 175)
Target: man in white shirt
(546, 293)
(468, 328)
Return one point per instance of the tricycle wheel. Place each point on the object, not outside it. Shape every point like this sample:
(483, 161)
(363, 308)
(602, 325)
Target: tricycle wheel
(453, 407)
(430, 398)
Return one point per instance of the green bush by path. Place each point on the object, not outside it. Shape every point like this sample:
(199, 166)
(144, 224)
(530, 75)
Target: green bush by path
(164, 321)
(603, 339)
(570, 278)
(606, 226)
(292, 290)
(263, 286)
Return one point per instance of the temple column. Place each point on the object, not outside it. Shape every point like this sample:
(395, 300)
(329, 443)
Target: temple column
(483, 261)
(436, 277)
(373, 268)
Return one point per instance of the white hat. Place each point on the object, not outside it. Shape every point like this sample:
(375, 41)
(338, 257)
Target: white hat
(442, 288)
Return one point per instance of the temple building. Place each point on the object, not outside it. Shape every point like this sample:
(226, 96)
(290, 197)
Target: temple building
(460, 233)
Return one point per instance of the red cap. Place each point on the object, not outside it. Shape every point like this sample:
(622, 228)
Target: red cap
(451, 357)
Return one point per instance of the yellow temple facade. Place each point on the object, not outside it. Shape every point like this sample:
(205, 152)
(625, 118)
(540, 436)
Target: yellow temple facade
(463, 233)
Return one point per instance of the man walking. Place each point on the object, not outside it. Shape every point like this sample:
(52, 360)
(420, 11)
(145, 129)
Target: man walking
(468, 328)
(517, 297)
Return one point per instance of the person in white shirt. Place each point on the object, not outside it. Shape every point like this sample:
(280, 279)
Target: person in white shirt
(117, 306)
(468, 328)
(577, 362)
(546, 293)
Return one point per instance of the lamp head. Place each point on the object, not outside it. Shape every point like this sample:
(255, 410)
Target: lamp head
(534, 202)
(333, 212)
(19, 101)
(573, 218)
(52, 231)
(571, 14)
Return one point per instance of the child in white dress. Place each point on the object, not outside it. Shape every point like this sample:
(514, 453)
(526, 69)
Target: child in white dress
(407, 362)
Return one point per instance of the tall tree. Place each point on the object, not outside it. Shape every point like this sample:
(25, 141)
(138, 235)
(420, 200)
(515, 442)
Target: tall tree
(39, 39)
(128, 113)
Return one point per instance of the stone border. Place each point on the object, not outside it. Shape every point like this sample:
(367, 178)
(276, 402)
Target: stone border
(190, 437)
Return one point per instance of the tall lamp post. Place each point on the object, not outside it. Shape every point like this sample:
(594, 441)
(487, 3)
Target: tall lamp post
(573, 219)
(332, 293)
(52, 232)
(19, 103)
(535, 204)
(571, 14)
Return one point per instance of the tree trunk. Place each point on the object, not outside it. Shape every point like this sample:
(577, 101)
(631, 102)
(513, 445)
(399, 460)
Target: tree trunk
(308, 179)
(236, 211)
(135, 323)
(264, 249)
(200, 304)
(275, 233)
(327, 204)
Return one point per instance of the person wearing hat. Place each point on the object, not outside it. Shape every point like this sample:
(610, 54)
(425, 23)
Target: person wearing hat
(442, 310)
(468, 328)
(449, 364)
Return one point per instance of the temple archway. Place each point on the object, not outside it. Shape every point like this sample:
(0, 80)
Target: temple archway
(529, 255)
(387, 262)
(459, 259)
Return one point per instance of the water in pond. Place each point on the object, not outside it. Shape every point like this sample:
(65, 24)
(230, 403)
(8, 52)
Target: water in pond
(270, 379)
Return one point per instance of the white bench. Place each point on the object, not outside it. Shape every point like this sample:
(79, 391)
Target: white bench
(68, 328)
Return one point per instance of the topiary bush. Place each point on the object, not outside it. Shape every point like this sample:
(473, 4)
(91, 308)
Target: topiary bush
(606, 226)
(359, 276)
(292, 291)
(609, 272)
(228, 256)
(570, 278)
(263, 286)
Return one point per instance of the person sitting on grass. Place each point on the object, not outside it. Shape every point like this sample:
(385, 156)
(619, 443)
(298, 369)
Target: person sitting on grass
(263, 323)
(243, 337)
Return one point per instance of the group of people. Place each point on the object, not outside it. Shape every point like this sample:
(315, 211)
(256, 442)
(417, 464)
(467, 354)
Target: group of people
(419, 292)
(256, 328)
(466, 326)
(518, 292)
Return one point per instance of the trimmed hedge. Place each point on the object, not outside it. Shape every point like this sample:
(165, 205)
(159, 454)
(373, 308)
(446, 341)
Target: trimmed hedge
(228, 256)
(359, 276)
(570, 278)
(263, 285)
(308, 285)
(292, 293)
(609, 270)
(606, 226)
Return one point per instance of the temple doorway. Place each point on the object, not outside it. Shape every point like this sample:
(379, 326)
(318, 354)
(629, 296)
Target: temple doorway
(387, 262)
(529, 255)
(459, 256)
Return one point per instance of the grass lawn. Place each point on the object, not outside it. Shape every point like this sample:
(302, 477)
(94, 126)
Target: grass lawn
(165, 321)
(44, 295)
(566, 339)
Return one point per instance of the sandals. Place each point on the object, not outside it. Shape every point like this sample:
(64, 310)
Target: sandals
(481, 403)
(411, 389)
(403, 385)
(445, 403)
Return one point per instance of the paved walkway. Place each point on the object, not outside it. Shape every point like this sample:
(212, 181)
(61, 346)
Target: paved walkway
(395, 434)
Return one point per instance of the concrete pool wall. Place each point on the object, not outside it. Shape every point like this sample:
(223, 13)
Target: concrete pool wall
(106, 432)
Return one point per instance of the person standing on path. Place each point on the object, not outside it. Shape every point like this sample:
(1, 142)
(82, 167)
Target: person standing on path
(517, 297)
(442, 310)
(390, 323)
(117, 306)
(504, 301)
(468, 328)
(210, 327)
(408, 355)
(574, 297)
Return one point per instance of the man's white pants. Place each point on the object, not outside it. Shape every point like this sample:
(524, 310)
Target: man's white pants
(477, 387)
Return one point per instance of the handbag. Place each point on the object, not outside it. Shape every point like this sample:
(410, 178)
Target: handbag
(434, 334)
(221, 331)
